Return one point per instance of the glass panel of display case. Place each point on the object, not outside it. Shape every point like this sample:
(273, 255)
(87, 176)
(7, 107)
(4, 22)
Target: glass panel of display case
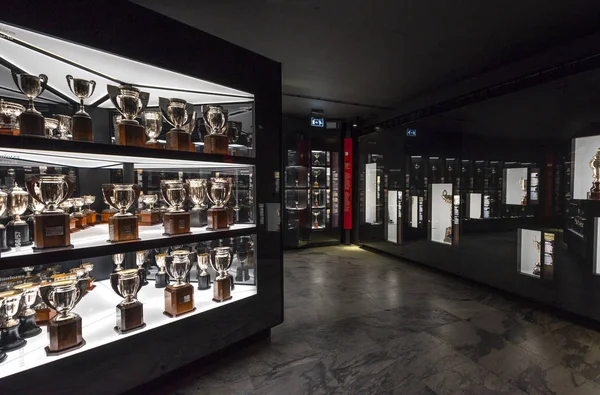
(414, 212)
(530, 252)
(393, 217)
(440, 200)
(371, 198)
(474, 205)
(515, 186)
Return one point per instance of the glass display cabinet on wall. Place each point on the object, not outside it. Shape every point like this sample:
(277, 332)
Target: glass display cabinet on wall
(124, 207)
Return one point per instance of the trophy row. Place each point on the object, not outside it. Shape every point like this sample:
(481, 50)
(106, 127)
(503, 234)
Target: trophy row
(49, 297)
(52, 225)
(131, 104)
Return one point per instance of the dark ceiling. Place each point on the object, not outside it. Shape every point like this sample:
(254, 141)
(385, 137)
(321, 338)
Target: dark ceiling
(368, 56)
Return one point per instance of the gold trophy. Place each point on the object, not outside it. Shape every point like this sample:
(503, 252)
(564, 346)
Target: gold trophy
(130, 102)
(178, 113)
(220, 260)
(123, 226)
(153, 126)
(82, 122)
(316, 174)
(118, 260)
(537, 269)
(594, 193)
(176, 220)
(17, 230)
(79, 215)
(315, 199)
(51, 227)
(27, 327)
(218, 192)
(90, 214)
(161, 279)
(197, 195)
(31, 121)
(64, 126)
(10, 339)
(523, 185)
(150, 215)
(215, 121)
(130, 312)
(9, 115)
(64, 330)
(316, 222)
(179, 297)
(448, 200)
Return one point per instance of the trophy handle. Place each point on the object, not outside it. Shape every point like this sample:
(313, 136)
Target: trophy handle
(113, 92)
(163, 105)
(230, 183)
(93, 84)
(114, 283)
(144, 97)
(43, 82)
(207, 186)
(46, 293)
(70, 83)
(82, 285)
(138, 283)
(211, 261)
(107, 190)
(189, 111)
(70, 182)
(163, 193)
(136, 195)
(168, 262)
(15, 77)
(30, 186)
(190, 263)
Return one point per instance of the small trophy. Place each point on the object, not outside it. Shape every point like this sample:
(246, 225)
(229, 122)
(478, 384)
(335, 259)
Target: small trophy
(316, 222)
(219, 192)
(215, 121)
(79, 215)
(315, 199)
(130, 102)
(17, 230)
(66, 206)
(161, 279)
(10, 339)
(31, 121)
(153, 126)
(87, 268)
(448, 200)
(82, 122)
(234, 129)
(130, 312)
(90, 214)
(52, 226)
(64, 330)
(203, 276)
(50, 125)
(197, 195)
(3, 205)
(123, 226)
(220, 261)
(178, 113)
(140, 260)
(316, 174)
(179, 297)
(27, 327)
(594, 193)
(118, 260)
(537, 269)
(176, 220)
(242, 272)
(150, 215)
(9, 115)
(64, 126)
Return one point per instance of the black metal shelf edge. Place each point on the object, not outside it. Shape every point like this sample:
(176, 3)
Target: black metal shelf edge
(40, 143)
(62, 255)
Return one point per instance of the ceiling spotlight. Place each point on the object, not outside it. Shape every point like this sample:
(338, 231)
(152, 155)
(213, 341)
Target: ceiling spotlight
(354, 125)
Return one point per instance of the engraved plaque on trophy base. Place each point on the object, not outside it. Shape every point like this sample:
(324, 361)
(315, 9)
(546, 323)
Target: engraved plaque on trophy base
(28, 328)
(217, 219)
(17, 233)
(150, 217)
(123, 228)
(203, 282)
(132, 135)
(44, 315)
(222, 289)
(91, 284)
(51, 230)
(91, 218)
(198, 218)
(216, 144)
(10, 339)
(82, 128)
(106, 215)
(177, 223)
(3, 246)
(130, 317)
(32, 124)
(161, 280)
(64, 336)
(179, 300)
(178, 141)
(81, 222)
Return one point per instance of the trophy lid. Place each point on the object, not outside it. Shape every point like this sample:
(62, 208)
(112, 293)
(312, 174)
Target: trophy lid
(180, 252)
(10, 294)
(127, 272)
(25, 286)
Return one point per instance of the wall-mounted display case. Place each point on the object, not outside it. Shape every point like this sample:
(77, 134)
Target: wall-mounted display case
(131, 212)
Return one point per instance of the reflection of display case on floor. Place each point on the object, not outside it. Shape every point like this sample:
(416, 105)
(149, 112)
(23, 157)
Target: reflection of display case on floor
(537, 252)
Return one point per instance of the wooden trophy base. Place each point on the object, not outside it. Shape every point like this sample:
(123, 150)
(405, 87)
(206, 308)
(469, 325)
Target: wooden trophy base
(130, 317)
(81, 222)
(91, 218)
(132, 135)
(216, 144)
(10, 132)
(82, 128)
(222, 289)
(51, 231)
(73, 225)
(178, 140)
(176, 223)
(64, 336)
(123, 228)
(105, 216)
(149, 217)
(179, 300)
(32, 124)
(198, 218)
(203, 281)
(594, 193)
(218, 218)
(155, 145)
(43, 316)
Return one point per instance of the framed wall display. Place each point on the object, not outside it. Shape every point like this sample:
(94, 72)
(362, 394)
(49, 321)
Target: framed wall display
(515, 186)
(441, 200)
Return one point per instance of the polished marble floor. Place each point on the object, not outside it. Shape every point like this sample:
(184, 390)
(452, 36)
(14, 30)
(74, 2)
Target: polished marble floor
(361, 323)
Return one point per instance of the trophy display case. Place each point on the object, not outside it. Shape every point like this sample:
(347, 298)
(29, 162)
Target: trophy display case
(536, 254)
(320, 189)
(131, 212)
(297, 202)
(441, 200)
(394, 216)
